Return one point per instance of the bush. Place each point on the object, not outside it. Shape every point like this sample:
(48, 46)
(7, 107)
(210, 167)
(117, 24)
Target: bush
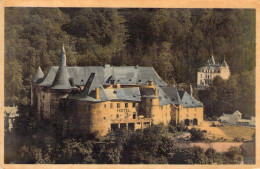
(196, 134)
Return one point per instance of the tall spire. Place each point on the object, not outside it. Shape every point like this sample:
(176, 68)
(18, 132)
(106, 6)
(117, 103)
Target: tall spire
(62, 77)
(212, 60)
(63, 56)
(39, 74)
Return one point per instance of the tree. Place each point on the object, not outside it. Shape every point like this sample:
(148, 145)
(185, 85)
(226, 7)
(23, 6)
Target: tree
(13, 86)
(196, 134)
(75, 152)
(101, 35)
(233, 156)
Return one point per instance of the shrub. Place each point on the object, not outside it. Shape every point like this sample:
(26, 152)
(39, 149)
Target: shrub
(196, 134)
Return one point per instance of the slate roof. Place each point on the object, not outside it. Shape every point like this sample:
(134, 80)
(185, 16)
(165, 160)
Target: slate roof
(189, 101)
(38, 75)
(173, 94)
(121, 75)
(163, 98)
(224, 63)
(129, 94)
(61, 80)
(178, 97)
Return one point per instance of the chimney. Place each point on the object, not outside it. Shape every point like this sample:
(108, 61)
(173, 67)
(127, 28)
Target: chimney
(151, 83)
(155, 92)
(97, 93)
(191, 91)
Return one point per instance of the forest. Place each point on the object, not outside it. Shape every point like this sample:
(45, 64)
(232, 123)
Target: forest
(176, 42)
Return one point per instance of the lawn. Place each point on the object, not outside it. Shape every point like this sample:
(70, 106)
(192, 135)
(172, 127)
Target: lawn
(238, 131)
(228, 133)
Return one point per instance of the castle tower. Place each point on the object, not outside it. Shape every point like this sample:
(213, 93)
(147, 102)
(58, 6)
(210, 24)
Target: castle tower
(38, 75)
(224, 69)
(211, 61)
(62, 77)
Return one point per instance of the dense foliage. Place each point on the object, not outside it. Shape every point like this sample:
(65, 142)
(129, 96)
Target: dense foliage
(176, 42)
(151, 146)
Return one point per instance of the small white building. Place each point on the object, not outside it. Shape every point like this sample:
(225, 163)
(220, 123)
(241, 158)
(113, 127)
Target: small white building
(207, 73)
(235, 119)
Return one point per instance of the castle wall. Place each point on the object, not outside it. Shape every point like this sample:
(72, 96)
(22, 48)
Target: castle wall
(225, 73)
(189, 114)
(46, 101)
(98, 117)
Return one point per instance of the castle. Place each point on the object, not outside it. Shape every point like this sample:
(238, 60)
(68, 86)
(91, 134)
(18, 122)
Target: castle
(207, 73)
(96, 99)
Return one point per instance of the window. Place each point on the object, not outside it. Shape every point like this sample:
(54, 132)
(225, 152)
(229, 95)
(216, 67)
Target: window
(104, 118)
(117, 116)
(111, 105)
(105, 105)
(126, 105)
(118, 105)
(133, 104)
(200, 75)
(134, 115)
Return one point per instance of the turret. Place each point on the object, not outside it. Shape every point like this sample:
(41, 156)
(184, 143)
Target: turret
(212, 60)
(62, 77)
(63, 56)
(224, 63)
(39, 74)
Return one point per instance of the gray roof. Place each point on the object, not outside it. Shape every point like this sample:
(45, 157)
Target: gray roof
(121, 75)
(189, 101)
(224, 63)
(211, 61)
(61, 80)
(173, 94)
(38, 75)
(178, 97)
(163, 98)
(129, 94)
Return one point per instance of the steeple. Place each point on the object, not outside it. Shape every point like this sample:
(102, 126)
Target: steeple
(63, 56)
(224, 63)
(212, 60)
(62, 77)
(39, 74)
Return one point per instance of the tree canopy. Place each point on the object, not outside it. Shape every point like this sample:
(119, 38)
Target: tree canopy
(176, 42)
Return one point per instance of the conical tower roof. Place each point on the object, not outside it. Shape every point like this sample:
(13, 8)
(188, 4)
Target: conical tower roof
(224, 63)
(62, 77)
(212, 60)
(39, 74)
